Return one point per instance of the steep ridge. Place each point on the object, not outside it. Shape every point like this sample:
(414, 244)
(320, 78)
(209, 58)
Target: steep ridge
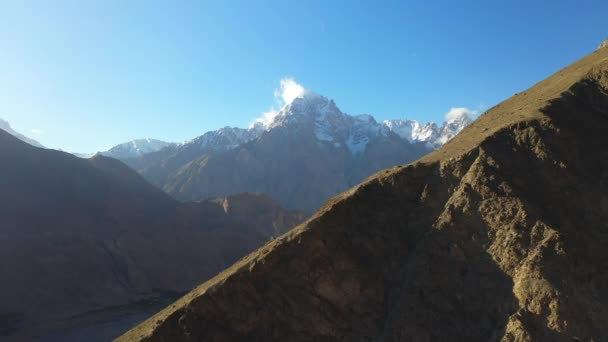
(79, 235)
(499, 235)
(4, 125)
(158, 167)
(302, 156)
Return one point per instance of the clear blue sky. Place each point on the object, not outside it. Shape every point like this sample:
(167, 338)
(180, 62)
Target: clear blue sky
(86, 75)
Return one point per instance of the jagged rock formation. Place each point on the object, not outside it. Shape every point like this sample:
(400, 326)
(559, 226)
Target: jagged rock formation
(499, 235)
(79, 235)
(136, 148)
(305, 154)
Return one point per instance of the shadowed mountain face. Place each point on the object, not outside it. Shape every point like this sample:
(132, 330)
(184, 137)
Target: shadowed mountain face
(136, 148)
(306, 154)
(78, 235)
(499, 235)
(291, 167)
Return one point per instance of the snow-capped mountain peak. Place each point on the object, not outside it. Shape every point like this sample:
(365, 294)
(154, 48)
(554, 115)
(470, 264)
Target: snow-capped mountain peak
(308, 105)
(135, 148)
(406, 129)
(456, 120)
(434, 136)
(308, 112)
(330, 125)
(226, 138)
(459, 116)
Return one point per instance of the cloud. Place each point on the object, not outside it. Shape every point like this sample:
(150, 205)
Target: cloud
(36, 131)
(457, 112)
(288, 91)
(267, 117)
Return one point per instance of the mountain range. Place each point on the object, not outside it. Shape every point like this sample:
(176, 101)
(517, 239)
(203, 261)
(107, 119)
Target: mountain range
(80, 235)
(102, 236)
(500, 234)
(4, 125)
(136, 148)
(301, 156)
(227, 138)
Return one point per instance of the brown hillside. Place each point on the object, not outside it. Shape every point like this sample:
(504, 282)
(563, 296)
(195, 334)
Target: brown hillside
(499, 235)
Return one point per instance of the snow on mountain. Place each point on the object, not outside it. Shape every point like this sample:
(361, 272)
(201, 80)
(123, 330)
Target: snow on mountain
(225, 138)
(84, 155)
(434, 136)
(136, 148)
(305, 109)
(403, 128)
(332, 125)
(307, 140)
(457, 120)
(329, 124)
(4, 125)
(220, 140)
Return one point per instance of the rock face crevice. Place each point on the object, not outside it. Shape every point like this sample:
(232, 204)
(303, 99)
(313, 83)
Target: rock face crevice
(498, 236)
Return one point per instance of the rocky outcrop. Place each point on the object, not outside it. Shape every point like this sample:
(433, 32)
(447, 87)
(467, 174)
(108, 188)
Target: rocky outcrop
(293, 168)
(307, 153)
(136, 148)
(499, 235)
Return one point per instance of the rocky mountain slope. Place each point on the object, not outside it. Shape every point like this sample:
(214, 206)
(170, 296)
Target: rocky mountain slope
(79, 235)
(301, 156)
(499, 235)
(136, 148)
(4, 125)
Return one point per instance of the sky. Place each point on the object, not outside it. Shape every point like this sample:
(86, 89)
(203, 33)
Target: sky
(83, 76)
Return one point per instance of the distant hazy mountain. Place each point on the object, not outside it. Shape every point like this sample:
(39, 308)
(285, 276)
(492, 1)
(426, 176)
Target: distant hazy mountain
(4, 125)
(84, 155)
(77, 235)
(301, 156)
(432, 135)
(136, 148)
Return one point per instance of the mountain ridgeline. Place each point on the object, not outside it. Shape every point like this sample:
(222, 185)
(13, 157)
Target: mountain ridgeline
(79, 235)
(5, 126)
(499, 235)
(307, 153)
(136, 148)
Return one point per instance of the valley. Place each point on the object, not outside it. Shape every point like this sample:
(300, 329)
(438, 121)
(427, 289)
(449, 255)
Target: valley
(303, 171)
